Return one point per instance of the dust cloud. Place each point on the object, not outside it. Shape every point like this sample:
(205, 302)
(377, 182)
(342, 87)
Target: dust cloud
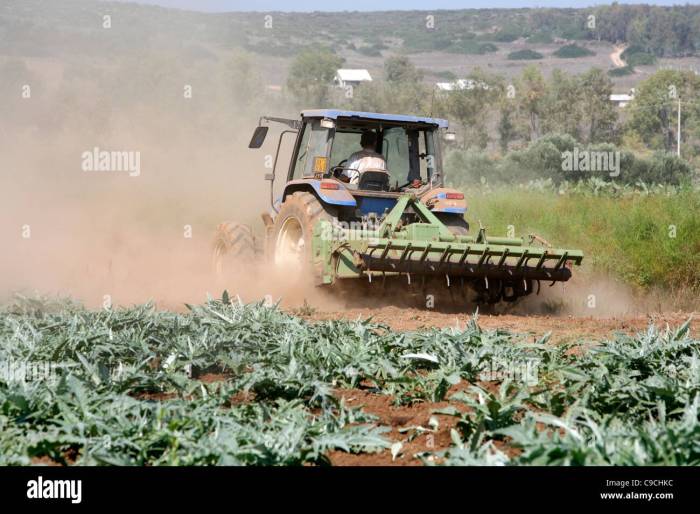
(117, 236)
(590, 294)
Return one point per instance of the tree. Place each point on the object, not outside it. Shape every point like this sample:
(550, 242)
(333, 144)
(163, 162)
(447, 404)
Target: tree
(598, 113)
(470, 105)
(506, 128)
(402, 90)
(653, 112)
(311, 75)
(531, 95)
(563, 109)
(400, 70)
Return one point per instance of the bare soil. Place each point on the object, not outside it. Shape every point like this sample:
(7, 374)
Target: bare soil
(562, 328)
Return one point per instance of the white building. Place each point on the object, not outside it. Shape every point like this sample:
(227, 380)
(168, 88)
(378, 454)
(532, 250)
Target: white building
(348, 77)
(622, 99)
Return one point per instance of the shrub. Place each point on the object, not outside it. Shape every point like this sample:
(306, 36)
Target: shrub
(541, 159)
(621, 72)
(540, 37)
(471, 47)
(525, 55)
(573, 51)
(369, 51)
(544, 159)
(464, 168)
(507, 34)
(636, 56)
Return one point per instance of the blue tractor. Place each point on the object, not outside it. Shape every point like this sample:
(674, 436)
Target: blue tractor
(398, 220)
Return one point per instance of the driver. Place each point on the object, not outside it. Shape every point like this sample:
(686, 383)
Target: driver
(365, 159)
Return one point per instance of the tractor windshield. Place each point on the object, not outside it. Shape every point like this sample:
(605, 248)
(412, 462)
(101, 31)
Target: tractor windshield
(408, 152)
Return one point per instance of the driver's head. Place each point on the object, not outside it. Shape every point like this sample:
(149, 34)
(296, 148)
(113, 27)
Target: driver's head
(368, 140)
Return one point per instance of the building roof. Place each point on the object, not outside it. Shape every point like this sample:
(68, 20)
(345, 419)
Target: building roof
(354, 75)
(334, 114)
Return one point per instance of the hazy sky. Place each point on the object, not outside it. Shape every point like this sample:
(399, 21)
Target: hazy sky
(374, 5)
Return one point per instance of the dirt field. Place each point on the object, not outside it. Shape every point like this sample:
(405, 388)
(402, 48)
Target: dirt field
(562, 328)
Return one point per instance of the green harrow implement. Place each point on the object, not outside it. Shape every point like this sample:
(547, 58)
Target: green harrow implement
(428, 248)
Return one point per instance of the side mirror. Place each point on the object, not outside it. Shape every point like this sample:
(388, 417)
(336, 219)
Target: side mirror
(450, 136)
(258, 137)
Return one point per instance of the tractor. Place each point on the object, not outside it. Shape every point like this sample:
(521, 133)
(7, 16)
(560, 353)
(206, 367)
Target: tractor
(399, 222)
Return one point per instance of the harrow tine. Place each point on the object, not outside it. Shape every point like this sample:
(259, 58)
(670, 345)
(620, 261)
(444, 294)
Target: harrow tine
(464, 255)
(445, 254)
(425, 253)
(561, 261)
(541, 261)
(386, 250)
(482, 259)
(502, 260)
(522, 259)
(405, 252)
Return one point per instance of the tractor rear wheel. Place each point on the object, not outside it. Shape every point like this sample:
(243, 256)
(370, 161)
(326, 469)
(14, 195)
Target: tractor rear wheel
(234, 247)
(291, 238)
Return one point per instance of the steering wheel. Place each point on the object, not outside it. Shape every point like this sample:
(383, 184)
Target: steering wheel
(338, 168)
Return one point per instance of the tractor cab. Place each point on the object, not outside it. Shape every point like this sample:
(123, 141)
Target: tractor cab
(409, 147)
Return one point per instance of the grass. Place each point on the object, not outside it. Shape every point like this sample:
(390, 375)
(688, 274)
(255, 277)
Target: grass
(650, 240)
(128, 389)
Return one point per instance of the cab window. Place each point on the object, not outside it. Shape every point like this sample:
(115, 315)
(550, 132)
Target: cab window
(317, 147)
(301, 154)
(345, 143)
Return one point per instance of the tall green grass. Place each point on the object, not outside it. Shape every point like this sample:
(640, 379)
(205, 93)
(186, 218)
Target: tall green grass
(629, 237)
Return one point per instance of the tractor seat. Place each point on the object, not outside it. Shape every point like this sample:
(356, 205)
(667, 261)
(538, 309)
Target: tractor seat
(374, 180)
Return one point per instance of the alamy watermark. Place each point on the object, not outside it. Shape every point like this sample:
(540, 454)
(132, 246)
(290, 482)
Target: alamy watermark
(350, 230)
(24, 371)
(49, 489)
(591, 160)
(103, 160)
(526, 372)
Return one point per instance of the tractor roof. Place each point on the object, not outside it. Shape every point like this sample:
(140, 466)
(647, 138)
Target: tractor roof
(334, 114)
